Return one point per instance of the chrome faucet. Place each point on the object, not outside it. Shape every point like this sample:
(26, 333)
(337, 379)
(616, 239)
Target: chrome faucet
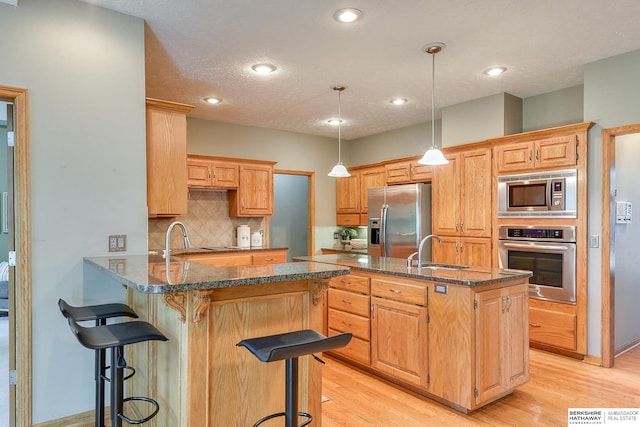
(420, 247)
(167, 248)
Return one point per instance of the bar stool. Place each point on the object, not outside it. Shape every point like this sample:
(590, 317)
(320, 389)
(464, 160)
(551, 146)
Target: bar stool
(290, 346)
(115, 337)
(100, 313)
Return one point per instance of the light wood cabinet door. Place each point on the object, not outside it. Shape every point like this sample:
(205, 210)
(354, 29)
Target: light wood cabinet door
(369, 178)
(348, 194)
(398, 173)
(556, 152)
(502, 334)
(475, 252)
(446, 252)
(545, 153)
(166, 157)
(446, 198)
(399, 340)
(254, 196)
(476, 205)
(199, 173)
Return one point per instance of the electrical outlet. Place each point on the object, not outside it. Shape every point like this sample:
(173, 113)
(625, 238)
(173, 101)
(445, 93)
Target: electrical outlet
(117, 242)
(594, 241)
(336, 235)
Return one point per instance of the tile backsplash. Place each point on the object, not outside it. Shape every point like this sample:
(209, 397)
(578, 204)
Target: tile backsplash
(207, 221)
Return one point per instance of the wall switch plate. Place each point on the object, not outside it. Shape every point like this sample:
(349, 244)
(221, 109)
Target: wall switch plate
(117, 242)
(594, 241)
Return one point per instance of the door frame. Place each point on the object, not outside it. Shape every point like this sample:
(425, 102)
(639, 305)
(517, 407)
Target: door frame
(21, 393)
(311, 204)
(607, 273)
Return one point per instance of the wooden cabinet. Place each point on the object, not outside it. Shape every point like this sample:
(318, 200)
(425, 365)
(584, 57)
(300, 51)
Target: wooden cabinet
(238, 259)
(206, 173)
(166, 158)
(472, 251)
(545, 153)
(502, 351)
(462, 208)
(254, 196)
(351, 194)
(348, 311)
(553, 324)
(399, 329)
(408, 171)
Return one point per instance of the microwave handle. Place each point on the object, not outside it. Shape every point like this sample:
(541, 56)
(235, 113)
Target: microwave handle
(537, 246)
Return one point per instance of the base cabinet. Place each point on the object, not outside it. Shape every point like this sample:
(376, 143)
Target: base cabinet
(501, 324)
(238, 259)
(462, 345)
(463, 251)
(553, 324)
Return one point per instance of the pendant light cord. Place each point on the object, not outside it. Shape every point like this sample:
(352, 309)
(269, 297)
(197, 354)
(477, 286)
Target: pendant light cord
(339, 128)
(433, 98)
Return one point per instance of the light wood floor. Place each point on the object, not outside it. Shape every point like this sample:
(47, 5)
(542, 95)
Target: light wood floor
(357, 399)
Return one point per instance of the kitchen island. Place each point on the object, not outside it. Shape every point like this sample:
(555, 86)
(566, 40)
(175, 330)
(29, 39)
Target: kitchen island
(199, 377)
(456, 334)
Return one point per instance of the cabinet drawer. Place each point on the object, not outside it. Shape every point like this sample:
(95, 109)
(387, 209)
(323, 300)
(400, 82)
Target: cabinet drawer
(269, 258)
(352, 283)
(357, 349)
(399, 291)
(553, 328)
(348, 219)
(349, 302)
(347, 322)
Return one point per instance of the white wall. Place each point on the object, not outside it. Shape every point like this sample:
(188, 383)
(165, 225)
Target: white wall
(84, 69)
(292, 151)
(611, 94)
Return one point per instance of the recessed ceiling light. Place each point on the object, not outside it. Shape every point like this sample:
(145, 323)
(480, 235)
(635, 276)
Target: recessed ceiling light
(264, 68)
(398, 101)
(348, 15)
(494, 71)
(213, 100)
(334, 122)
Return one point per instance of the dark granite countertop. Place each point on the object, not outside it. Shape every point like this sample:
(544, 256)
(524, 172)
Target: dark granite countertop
(468, 276)
(146, 273)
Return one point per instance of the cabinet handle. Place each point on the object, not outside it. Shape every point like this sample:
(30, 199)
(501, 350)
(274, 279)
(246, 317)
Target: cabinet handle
(530, 157)
(395, 291)
(535, 325)
(346, 302)
(346, 323)
(537, 154)
(268, 259)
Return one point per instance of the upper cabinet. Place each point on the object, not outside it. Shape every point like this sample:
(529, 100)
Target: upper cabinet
(250, 182)
(203, 172)
(254, 196)
(407, 171)
(351, 194)
(545, 153)
(166, 158)
(462, 208)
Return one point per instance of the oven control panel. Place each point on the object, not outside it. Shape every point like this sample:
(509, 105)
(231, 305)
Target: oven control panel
(556, 234)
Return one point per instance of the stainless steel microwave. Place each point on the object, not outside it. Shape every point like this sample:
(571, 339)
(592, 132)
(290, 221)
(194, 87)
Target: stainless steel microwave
(544, 194)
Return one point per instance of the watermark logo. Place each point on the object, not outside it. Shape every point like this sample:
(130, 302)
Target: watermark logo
(617, 417)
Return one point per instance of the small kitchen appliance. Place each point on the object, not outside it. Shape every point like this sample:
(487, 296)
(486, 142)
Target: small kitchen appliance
(243, 233)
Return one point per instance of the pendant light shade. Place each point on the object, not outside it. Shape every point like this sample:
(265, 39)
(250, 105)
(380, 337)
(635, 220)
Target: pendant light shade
(339, 170)
(433, 156)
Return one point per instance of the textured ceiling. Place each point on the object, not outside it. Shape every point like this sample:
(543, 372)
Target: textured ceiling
(200, 48)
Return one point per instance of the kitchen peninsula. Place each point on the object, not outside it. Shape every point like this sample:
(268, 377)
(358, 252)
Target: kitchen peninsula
(453, 333)
(199, 377)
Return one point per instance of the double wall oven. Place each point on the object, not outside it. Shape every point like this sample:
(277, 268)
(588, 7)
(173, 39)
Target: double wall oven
(547, 251)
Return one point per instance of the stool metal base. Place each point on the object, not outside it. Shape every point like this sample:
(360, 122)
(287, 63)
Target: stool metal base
(283, 414)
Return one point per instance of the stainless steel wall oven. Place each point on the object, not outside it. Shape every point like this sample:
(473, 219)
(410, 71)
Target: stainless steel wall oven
(548, 252)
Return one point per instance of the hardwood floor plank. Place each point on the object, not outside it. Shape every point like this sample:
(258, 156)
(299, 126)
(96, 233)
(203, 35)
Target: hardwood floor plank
(358, 399)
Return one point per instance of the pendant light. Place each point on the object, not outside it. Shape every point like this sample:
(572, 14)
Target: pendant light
(339, 171)
(433, 156)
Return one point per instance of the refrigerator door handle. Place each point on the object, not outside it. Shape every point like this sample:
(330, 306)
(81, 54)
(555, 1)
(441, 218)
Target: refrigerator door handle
(383, 230)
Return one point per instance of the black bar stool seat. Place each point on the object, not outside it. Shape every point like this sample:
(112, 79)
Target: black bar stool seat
(115, 337)
(95, 312)
(289, 347)
(99, 313)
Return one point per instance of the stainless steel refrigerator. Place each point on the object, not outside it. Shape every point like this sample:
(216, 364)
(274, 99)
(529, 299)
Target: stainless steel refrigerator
(399, 217)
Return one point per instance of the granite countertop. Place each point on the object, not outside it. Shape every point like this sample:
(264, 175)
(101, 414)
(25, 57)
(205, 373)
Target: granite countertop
(468, 276)
(147, 273)
(221, 249)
